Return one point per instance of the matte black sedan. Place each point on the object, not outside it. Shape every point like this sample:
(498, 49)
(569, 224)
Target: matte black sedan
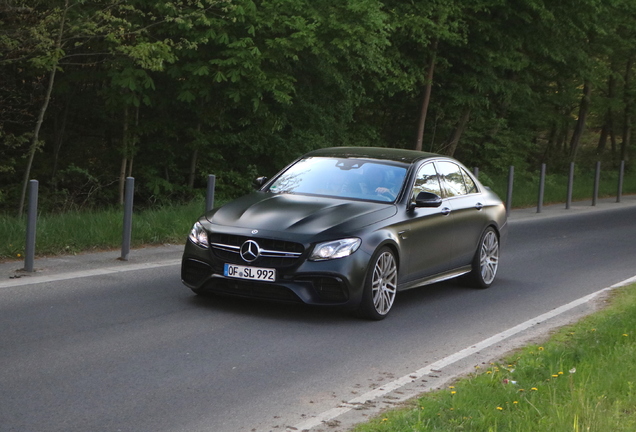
(349, 226)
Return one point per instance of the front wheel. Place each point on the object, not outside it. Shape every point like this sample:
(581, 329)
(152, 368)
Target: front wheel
(486, 260)
(380, 285)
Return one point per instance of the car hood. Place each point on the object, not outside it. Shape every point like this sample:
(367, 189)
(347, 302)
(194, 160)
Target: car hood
(299, 214)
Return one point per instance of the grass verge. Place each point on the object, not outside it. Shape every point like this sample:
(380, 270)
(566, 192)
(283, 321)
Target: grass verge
(526, 187)
(582, 379)
(75, 232)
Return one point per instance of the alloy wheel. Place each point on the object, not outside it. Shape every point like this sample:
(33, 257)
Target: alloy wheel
(384, 283)
(489, 257)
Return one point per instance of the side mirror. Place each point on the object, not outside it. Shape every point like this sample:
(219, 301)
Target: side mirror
(427, 199)
(259, 182)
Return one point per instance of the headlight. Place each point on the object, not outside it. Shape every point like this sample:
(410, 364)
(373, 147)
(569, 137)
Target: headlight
(198, 236)
(335, 249)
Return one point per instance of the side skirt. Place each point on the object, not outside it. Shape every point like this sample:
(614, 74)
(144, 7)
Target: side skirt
(435, 278)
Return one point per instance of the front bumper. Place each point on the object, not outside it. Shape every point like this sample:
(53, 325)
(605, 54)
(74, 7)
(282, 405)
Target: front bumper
(332, 282)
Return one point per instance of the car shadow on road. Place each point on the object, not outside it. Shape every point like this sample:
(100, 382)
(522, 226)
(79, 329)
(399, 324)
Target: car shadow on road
(270, 310)
(418, 300)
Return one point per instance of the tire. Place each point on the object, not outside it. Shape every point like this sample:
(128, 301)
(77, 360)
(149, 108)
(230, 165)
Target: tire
(380, 286)
(486, 260)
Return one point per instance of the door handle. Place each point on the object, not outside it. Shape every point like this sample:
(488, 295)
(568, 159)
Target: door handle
(479, 206)
(446, 211)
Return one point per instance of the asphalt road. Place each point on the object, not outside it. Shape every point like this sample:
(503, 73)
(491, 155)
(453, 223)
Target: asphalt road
(136, 351)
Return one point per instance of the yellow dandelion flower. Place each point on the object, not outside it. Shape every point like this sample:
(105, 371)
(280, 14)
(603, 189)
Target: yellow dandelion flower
(540, 348)
(515, 402)
(453, 392)
(500, 408)
(534, 389)
(624, 334)
(560, 373)
(489, 372)
(521, 390)
(385, 419)
(451, 387)
(555, 376)
(19, 255)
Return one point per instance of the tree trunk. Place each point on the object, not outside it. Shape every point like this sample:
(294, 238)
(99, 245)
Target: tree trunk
(427, 96)
(552, 140)
(602, 141)
(565, 134)
(193, 168)
(132, 142)
(45, 104)
(580, 124)
(193, 160)
(457, 133)
(59, 139)
(124, 158)
(608, 125)
(627, 123)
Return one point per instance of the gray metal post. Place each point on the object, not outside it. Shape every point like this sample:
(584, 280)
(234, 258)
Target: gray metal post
(541, 189)
(621, 177)
(511, 178)
(597, 179)
(128, 211)
(568, 202)
(476, 171)
(29, 252)
(209, 196)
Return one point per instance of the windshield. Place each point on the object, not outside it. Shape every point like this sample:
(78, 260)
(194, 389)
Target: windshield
(342, 178)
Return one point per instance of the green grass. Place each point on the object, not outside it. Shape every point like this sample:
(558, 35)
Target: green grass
(526, 187)
(582, 379)
(74, 232)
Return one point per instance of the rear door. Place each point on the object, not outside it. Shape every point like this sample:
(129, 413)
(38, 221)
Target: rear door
(466, 205)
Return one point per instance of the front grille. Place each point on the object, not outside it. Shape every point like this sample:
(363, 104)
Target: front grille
(251, 289)
(274, 253)
(194, 272)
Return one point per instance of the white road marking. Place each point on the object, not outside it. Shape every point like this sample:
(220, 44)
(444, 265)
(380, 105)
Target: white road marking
(387, 388)
(30, 280)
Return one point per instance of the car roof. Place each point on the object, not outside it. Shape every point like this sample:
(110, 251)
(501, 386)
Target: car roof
(381, 153)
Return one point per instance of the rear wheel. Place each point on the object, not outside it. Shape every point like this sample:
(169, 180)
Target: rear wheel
(486, 260)
(380, 286)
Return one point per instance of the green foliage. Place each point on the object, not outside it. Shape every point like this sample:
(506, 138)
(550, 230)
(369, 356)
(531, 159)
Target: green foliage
(184, 88)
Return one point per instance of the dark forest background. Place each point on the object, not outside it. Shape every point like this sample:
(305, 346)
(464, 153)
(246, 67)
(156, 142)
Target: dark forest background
(171, 91)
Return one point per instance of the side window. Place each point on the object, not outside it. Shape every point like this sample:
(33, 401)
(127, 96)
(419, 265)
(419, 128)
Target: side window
(427, 181)
(453, 178)
(471, 187)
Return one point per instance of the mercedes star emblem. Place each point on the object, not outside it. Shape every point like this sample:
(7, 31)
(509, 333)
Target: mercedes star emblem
(250, 251)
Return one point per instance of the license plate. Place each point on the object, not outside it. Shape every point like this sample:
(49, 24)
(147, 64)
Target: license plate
(250, 273)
